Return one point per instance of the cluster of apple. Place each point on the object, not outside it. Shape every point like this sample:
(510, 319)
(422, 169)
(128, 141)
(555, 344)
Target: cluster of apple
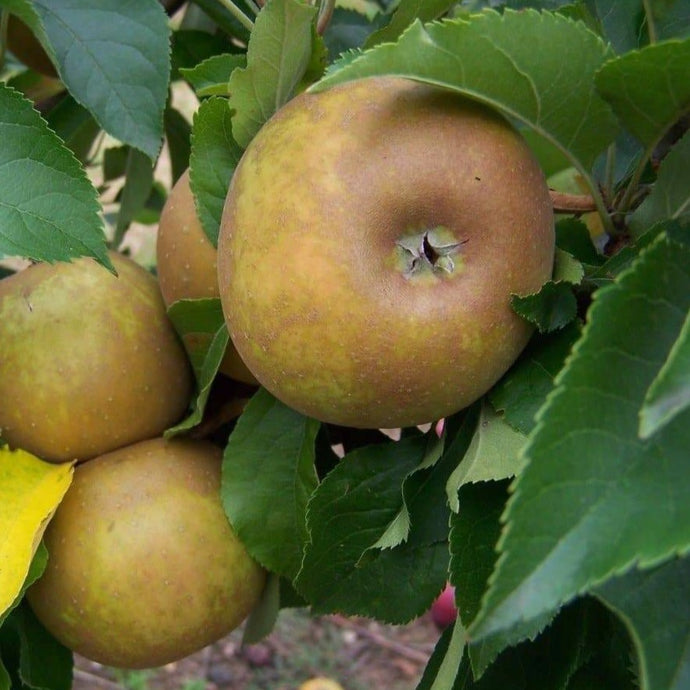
(371, 239)
(144, 567)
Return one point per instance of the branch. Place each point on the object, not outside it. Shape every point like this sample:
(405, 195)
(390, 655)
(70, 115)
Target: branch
(572, 203)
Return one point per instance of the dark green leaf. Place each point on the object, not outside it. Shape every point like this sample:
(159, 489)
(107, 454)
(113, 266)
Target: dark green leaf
(405, 13)
(212, 163)
(138, 185)
(649, 89)
(114, 58)
(502, 61)
(202, 324)
(475, 530)
(346, 30)
(670, 196)
(593, 497)
(115, 162)
(48, 207)
(190, 47)
(279, 52)
(178, 133)
(523, 390)
(572, 236)
(655, 607)
(551, 660)
(75, 126)
(622, 22)
(550, 309)
(493, 454)
(669, 393)
(263, 616)
(45, 663)
(268, 477)
(347, 515)
(441, 673)
(211, 77)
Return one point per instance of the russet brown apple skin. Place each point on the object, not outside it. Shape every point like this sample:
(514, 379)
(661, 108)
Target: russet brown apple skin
(319, 293)
(186, 265)
(90, 362)
(143, 567)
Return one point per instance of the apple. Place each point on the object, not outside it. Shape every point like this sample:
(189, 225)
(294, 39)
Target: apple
(370, 242)
(443, 610)
(144, 567)
(27, 48)
(186, 266)
(90, 361)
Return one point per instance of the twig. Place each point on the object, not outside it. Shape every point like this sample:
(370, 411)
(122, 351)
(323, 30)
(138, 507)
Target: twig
(572, 203)
(411, 653)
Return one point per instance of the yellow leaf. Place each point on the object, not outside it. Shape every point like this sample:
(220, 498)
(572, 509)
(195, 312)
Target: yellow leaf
(30, 491)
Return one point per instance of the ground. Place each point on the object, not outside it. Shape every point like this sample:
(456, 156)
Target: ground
(357, 653)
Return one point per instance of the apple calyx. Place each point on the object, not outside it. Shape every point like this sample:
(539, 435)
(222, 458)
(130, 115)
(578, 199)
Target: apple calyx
(433, 251)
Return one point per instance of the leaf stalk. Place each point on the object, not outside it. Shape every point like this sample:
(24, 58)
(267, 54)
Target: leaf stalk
(237, 13)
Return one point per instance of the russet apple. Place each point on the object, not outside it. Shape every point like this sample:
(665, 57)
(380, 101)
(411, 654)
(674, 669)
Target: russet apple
(186, 266)
(371, 240)
(90, 361)
(144, 567)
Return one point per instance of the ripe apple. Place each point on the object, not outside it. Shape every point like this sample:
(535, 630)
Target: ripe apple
(143, 565)
(443, 610)
(90, 361)
(186, 265)
(27, 48)
(370, 242)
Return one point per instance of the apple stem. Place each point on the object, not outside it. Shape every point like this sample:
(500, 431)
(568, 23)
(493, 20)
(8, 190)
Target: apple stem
(325, 14)
(572, 203)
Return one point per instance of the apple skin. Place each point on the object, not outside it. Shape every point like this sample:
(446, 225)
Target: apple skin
(319, 293)
(27, 48)
(144, 568)
(443, 610)
(90, 362)
(186, 266)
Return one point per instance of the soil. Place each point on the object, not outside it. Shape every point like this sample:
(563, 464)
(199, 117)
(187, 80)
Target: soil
(359, 654)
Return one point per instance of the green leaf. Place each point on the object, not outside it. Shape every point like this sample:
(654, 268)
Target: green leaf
(138, 185)
(405, 13)
(279, 52)
(493, 454)
(346, 31)
(655, 607)
(211, 77)
(48, 208)
(178, 134)
(191, 46)
(474, 532)
(268, 477)
(75, 126)
(572, 236)
(201, 323)
(38, 565)
(441, 672)
(669, 393)
(347, 514)
(648, 89)
(114, 59)
(459, 430)
(670, 196)
(595, 498)
(523, 390)
(536, 68)
(212, 163)
(44, 662)
(552, 659)
(550, 309)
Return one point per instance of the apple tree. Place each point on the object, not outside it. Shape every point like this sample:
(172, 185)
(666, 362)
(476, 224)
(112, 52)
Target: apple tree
(557, 504)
